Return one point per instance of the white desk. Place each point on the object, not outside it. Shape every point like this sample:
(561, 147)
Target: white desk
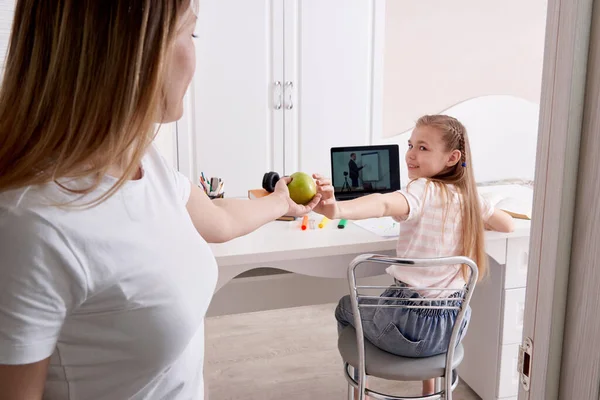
(284, 245)
(495, 331)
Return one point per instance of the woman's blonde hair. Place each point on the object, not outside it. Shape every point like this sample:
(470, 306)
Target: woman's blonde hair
(83, 88)
(461, 175)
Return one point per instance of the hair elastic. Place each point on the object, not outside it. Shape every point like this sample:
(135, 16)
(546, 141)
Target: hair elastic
(464, 164)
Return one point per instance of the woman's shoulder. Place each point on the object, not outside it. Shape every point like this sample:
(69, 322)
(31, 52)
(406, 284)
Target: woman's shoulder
(155, 159)
(165, 176)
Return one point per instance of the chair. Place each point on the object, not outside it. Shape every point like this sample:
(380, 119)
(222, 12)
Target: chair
(367, 360)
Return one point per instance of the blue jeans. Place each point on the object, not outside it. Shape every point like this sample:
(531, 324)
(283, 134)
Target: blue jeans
(406, 332)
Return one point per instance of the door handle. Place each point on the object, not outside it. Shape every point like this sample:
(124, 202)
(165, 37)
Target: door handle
(289, 86)
(277, 94)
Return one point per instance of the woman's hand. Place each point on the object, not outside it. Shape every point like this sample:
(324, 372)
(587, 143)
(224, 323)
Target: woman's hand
(328, 205)
(294, 209)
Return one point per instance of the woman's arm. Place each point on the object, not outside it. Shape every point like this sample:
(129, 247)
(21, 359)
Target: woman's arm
(371, 206)
(23, 382)
(500, 221)
(221, 220)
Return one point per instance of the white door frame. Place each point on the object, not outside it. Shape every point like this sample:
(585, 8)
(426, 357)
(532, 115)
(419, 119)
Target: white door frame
(561, 111)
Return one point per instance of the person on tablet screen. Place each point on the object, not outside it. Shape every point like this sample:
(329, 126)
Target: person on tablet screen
(354, 169)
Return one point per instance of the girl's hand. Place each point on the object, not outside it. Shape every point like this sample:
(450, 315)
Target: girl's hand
(294, 209)
(328, 205)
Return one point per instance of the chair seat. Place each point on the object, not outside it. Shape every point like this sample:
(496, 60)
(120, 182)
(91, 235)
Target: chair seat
(385, 365)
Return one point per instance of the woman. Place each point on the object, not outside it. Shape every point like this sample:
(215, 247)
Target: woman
(106, 272)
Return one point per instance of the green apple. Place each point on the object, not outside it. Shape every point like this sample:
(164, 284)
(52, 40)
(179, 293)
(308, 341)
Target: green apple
(302, 188)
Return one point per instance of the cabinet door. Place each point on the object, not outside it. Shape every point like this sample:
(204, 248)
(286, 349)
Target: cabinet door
(236, 128)
(328, 59)
(517, 256)
(508, 378)
(514, 316)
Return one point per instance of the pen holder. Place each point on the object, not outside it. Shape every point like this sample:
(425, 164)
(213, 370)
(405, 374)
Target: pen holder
(216, 196)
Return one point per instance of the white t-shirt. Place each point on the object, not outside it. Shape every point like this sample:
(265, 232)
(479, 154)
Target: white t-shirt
(432, 229)
(115, 294)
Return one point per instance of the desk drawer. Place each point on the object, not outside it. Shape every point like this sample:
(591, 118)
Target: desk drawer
(517, 257)
(513, 316)
(508, 382)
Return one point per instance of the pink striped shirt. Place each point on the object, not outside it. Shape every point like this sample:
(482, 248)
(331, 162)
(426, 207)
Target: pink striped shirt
(428, 233)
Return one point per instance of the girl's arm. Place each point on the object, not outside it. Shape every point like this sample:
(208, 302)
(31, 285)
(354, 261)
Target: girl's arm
(500, 221)
(371, 206)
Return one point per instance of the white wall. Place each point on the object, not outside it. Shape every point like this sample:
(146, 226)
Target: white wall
(479, 61)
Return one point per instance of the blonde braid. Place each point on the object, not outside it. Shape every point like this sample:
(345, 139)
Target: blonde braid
(459, 133)
(461, 145)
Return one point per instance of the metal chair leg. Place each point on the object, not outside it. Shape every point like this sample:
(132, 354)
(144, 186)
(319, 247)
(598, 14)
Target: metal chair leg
(350, 388)
(438, 385)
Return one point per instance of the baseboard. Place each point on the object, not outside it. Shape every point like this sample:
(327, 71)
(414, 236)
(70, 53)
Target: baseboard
(269, 292)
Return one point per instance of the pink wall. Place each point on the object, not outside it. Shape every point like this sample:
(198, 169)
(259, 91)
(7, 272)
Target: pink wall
(439, 53)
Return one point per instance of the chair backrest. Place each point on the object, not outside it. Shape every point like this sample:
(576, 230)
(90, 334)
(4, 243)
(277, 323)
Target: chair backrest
(462, 301)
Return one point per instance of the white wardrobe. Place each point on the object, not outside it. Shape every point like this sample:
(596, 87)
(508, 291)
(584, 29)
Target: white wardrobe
(278, 83)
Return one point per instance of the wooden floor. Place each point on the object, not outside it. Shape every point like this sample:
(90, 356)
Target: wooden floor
(286, 354)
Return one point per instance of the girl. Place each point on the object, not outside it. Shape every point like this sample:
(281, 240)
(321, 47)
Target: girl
(105, 270)
(440, 214)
